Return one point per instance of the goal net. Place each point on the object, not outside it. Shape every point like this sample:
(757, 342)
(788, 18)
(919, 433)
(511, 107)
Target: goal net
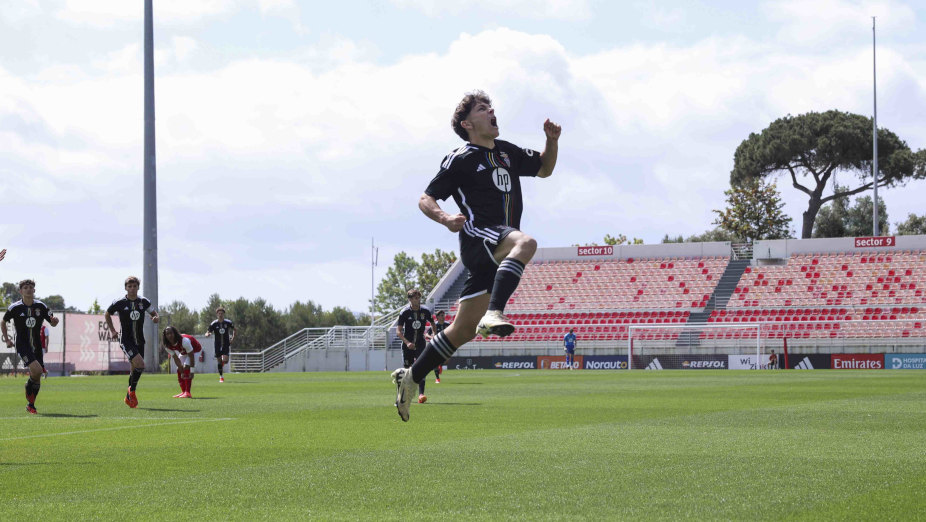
(698, 347)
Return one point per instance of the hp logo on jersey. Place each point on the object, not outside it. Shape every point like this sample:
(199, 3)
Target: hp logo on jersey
(222, 330)
(134, 315)
(416, 324)
(30, 322)
(502, 179)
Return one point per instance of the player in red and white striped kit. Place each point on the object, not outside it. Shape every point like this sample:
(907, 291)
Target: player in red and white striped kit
(183, 349)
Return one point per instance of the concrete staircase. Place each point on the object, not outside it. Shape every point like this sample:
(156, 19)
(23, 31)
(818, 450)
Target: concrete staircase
(718, 301)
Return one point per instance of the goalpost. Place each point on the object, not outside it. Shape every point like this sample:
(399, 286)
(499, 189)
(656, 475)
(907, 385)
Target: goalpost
(697, 346)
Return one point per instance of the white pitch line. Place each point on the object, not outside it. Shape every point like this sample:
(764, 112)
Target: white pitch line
(117, 428)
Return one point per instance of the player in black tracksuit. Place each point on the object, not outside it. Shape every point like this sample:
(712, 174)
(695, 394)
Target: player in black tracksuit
(27, 315)
(410, 329)
(484, 179)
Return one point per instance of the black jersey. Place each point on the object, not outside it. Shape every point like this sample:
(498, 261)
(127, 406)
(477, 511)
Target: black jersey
(27, 321)
(485, 183)
(131, 319)
(221, 330)
(412, 323)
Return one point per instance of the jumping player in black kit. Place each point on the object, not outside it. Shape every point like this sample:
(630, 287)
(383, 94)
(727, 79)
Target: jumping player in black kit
(410, 328)
(224, 332)
(27, 315)
(483, 177)
(131, 310)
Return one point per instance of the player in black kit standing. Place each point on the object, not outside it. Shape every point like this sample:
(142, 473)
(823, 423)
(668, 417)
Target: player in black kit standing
(27, 315)
(224, 332)
(131, 310)
(483, 177)
(411, 328)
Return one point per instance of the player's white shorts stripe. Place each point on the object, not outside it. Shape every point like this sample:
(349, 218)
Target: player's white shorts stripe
(470, 296)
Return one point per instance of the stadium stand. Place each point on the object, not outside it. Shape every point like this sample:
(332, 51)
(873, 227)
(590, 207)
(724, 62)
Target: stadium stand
(835, 292)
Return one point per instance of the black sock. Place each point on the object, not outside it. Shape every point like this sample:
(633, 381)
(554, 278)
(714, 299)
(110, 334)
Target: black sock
(421, 385)
(507, 278)
(435, 353)
(221, 365)
(32, 389)
(133, 378)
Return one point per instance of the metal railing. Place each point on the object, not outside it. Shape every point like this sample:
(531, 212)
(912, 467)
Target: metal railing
(334, 338)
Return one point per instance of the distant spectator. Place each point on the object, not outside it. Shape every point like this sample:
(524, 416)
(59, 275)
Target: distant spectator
(569, 344)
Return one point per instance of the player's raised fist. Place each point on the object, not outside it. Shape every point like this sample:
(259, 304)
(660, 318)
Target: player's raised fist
(455, 223)
(551, 129)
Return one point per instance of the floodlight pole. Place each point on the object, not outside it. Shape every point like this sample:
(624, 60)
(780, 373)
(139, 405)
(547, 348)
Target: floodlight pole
(874, 129)
(150, 230)
(374, 258)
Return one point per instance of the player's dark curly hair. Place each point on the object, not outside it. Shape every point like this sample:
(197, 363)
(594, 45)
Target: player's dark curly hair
(463, 108)
(25, 282)
(175, 333)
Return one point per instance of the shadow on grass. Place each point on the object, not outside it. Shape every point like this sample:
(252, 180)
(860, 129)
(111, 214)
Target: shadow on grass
(205, 398)
(169, 409)
(454, 404)
(451, 383)
(67, 415)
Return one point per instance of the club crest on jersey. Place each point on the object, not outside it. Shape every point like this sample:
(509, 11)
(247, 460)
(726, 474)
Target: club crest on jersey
(504, 156)
(502, 179)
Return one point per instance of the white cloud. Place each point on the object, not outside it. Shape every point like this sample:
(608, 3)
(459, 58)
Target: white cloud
(819, 22)
(109, 13)
(544, 9)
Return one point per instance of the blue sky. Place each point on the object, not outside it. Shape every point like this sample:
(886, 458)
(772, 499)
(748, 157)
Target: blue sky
(290, 133)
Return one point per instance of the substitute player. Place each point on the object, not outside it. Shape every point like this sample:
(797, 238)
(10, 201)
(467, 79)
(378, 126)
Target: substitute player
(28, 315)
(484, 178)
(411, 328)
(183, 349)
(224, 332)
(131, 310)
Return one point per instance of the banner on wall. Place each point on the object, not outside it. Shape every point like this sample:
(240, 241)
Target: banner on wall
(905, 361)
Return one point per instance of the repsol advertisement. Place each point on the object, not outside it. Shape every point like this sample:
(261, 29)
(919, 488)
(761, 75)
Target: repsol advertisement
(492, 363)
(681, 362)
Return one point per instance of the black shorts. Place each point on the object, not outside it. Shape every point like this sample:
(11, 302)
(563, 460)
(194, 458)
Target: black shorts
(130, 350)
(476, 253)
(40, 356)
(27, 354)
(409, 356)
(222, 351)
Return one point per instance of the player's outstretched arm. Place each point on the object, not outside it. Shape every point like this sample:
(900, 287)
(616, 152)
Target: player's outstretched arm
(155, 317)
(429, 206)
(550, 150)
(2, 254)
(6, 335)
(109, 324)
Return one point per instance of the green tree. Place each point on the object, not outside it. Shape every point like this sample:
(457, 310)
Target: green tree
(54, 302)
(431, 268)
(754, 211)
(340, 316)
(858, 222)
(179, 315)
(303, 315)
(621, 239)
(715, 234)
(207, 313)
(257, 324)
(95, 308)
(402, 275)
(839, 219)
(9, 294)
(814, 146)
(914, 225)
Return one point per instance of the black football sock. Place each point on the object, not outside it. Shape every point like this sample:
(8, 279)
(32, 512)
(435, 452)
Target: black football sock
(133, 378)
(438, 350)
(507, 278)
(421, 385)
(221, 365)
(32, 389)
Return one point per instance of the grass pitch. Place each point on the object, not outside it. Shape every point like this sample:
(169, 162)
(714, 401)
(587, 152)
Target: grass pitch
(487, 445)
